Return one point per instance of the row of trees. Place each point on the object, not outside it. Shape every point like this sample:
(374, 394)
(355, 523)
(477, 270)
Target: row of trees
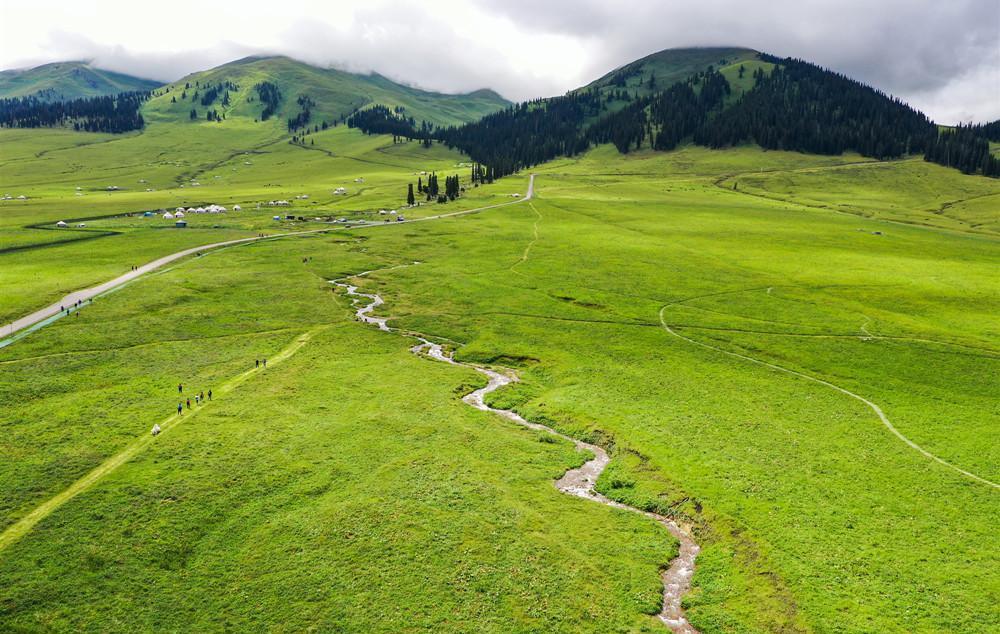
(109, 113)
(432, 191)
(379, 119)
(965, 149)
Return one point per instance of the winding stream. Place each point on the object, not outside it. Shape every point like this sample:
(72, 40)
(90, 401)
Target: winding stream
(578, 482)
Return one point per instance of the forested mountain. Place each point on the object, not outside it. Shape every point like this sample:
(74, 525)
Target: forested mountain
(782, 104)
(66, 81)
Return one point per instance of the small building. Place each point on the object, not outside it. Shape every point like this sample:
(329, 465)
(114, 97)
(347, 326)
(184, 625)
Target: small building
(168, 216)
(181, 224)
(61, 223)
(237, 208)
(178, 214)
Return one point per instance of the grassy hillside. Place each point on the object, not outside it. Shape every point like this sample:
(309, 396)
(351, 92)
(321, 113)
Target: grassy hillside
(336, 94)
(670, 66)
(69, 80)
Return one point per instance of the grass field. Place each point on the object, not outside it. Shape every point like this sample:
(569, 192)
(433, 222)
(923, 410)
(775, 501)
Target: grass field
(348, 488)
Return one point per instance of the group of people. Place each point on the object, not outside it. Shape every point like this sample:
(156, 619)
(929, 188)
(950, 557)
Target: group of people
(199, 398)
(75, 305)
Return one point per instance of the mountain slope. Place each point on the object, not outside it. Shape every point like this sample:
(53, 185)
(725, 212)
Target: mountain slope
(331, 94)
(740, 97)
(62, 81)
(668, 67)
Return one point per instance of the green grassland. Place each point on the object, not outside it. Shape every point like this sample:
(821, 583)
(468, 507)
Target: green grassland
(408, 510)
(348, 488)
(225, 174)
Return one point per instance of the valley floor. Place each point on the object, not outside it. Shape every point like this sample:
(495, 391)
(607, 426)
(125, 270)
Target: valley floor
(688, 312)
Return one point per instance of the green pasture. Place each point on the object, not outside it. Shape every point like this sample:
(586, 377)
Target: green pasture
(348, 488)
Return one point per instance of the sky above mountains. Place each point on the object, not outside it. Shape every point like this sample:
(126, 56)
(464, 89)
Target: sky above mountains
(942, 57)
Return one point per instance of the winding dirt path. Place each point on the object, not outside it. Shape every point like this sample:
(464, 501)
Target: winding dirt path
(875, 408)
(577, 482)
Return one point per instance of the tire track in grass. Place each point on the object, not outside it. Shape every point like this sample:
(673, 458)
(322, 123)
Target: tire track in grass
(875, 408)
(577, 482)
(24, 525)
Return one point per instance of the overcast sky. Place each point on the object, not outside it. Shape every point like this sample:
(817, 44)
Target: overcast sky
(942, 56)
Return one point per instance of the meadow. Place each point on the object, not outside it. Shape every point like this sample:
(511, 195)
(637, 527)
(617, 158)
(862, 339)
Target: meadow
(348, 488)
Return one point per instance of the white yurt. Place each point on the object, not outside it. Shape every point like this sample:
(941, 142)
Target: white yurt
(179, 209)
(168, 216)
(237, 208)
(61, 223)
(178, 214)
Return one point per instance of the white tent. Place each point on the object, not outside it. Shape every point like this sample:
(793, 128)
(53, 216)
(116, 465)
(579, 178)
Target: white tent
(179, 214)
(61, 224)
(168, 216)
(237, 208)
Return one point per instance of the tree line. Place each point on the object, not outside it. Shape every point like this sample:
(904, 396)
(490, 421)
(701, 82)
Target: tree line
(108, 113)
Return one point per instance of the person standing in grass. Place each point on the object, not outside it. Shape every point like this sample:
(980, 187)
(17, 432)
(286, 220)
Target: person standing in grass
(189, 403)
(180, 409)
(210, 395)
(180, 388)
(265, 364)
(257, 362)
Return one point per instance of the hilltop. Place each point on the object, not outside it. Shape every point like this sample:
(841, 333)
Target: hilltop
(61, 81)
(329, 94)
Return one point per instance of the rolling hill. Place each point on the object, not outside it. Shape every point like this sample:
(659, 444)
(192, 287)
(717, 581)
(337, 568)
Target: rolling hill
(334, 94)
(62, 81)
